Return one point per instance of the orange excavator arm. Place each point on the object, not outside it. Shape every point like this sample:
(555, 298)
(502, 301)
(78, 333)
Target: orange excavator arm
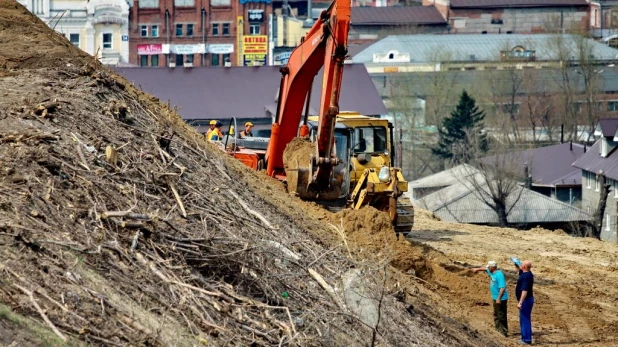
(325, 45)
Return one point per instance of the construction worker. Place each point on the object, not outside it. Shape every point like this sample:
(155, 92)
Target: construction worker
(499, 295)
(247, 132)
(212, 127)
(216, 134)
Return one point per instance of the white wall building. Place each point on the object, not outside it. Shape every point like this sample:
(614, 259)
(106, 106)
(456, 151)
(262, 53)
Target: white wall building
(98, 27)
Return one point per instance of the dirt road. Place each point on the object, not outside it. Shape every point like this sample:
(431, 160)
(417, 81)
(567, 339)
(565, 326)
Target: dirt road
(576, 289)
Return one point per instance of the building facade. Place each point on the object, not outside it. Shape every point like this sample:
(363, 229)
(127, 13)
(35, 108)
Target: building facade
(516, 16)
(188, 33)
(98, 27)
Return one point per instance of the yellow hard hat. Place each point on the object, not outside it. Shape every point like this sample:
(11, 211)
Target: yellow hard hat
(231, 130)
(248, 124)
(213, 122)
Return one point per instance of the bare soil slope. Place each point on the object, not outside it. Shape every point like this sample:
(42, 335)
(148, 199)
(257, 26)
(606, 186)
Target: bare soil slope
(576, 296)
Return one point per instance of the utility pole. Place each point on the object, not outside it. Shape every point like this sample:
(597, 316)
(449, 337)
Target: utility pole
(285, 14)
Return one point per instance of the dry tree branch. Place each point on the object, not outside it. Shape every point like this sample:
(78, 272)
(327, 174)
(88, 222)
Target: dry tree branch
(41, 312)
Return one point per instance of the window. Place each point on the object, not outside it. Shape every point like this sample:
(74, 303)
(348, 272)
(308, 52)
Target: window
(596, 183)
(184, 3)
(214, 60)
(148, 4)
(74, 38)
(369, 139)
(608, 222)
(154, 31)
(215, 29)
(144, 31)
(107, 41)
(190, 30)
(254, 29)
(588, 177)
(612, 106)
(220, 2)
(143, 60)
(178, 29)
(484, 32)
(576, 107)
(226, 29)
(154, 60)
(616, 189)
(510, 108)
(189, 58)
(226, 58)
(179, 60)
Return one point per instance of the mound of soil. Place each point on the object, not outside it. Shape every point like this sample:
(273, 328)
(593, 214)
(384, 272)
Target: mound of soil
(372, 234)
(28, 43)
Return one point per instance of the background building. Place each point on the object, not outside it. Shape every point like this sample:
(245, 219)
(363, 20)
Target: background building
(189, 33)
(99, 27)
(516, 16)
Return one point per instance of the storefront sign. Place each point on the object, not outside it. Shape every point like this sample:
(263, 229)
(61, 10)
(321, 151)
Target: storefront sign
(255, 59)
(255, 44)
(255, 50)
(146, 49)
(283, 57)
(199, 48)
(220, 48)
(246, 1)
(391, 69)
(255, 15)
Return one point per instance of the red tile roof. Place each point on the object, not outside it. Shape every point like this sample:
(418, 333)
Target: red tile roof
(515, 3)
(396, 15)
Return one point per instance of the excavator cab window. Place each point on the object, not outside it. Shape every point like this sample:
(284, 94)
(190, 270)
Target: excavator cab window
(370, 139)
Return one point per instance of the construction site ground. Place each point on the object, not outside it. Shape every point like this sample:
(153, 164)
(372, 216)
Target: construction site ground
(576, 296)
(119, 225)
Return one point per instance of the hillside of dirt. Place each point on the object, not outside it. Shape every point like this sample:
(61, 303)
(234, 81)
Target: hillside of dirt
(120, 225)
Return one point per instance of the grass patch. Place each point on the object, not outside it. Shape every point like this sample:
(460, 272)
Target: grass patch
(28, 331)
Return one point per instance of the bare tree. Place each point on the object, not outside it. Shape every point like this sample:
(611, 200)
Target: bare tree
(496, 180)
(579, 80)
(600, 211)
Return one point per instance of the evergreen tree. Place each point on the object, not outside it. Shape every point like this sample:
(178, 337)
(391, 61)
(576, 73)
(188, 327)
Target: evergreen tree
(461, 138)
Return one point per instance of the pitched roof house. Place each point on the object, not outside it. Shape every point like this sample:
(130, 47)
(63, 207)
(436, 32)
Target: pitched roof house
(550, 169)
(602, 158)
(459, 195)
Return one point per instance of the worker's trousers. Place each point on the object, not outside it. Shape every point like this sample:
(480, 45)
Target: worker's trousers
(525, 320)
(500, 320)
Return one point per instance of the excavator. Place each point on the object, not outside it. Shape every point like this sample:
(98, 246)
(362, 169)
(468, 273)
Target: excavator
(352, 156)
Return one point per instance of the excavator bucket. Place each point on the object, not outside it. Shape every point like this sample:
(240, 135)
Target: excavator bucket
(300, 171)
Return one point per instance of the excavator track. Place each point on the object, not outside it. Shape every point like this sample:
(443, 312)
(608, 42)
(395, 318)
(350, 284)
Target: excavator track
(405, 216)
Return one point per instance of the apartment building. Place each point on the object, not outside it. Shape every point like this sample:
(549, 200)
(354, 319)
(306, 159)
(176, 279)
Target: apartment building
(99, 27)
(190, 33)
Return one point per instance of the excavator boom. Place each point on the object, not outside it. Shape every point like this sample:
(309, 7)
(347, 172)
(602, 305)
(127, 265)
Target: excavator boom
(325, 45)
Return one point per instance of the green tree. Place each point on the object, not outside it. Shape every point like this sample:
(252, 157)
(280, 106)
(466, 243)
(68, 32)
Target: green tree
(461, 134)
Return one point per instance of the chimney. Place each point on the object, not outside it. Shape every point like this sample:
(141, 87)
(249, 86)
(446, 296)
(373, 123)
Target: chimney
(571, 145)
(561, 133)
(584, 147)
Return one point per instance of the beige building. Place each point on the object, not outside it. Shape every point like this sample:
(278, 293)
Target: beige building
(98, 27)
